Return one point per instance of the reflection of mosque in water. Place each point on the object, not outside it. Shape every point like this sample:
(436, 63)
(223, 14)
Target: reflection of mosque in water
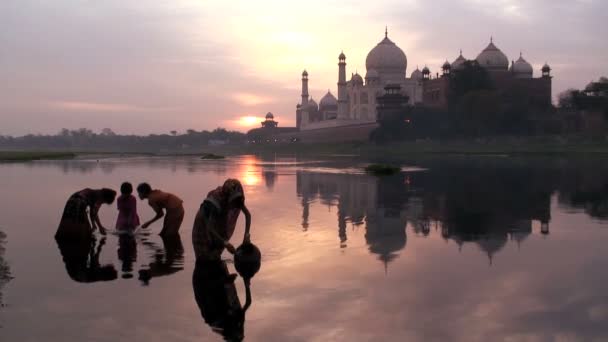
(452, 203)
(5, 272)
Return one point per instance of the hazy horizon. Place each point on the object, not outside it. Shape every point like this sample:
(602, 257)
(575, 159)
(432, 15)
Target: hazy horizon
(199, 65)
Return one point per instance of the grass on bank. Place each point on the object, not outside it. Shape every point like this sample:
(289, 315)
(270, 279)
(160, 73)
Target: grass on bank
(20, 156)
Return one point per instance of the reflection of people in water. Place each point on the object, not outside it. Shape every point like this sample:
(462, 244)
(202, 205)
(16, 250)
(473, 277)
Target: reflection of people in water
(216, 296)
(216, 220)
(159, 201)
(81, 258)
(74, 222)
(128, 219)
(127, 254)
(167, 260)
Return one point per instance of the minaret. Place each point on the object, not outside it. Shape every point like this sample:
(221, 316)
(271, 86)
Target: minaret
(342, 102)
(304, 89)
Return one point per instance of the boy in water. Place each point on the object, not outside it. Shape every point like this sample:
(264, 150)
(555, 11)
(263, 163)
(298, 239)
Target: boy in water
(159, 201)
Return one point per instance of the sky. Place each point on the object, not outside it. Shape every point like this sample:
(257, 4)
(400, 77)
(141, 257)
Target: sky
(153, 66)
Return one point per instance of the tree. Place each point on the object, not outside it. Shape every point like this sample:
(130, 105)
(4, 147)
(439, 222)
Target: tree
(108, 132)
(471, 77)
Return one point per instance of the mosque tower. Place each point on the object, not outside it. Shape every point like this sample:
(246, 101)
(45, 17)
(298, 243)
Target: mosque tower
(304, 89)
(342, 100)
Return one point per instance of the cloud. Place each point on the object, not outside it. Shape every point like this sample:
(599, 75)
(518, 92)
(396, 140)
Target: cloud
(106, 107)
(248, 99)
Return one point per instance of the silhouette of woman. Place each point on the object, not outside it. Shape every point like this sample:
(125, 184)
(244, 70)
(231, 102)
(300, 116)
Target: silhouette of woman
(216, 220)
(74, 222)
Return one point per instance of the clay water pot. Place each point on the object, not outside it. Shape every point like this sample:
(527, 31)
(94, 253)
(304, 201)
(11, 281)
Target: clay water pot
(247, 260)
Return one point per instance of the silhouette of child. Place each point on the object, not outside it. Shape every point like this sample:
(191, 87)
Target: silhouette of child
(159, 200)
(128, 219)
(216, 220)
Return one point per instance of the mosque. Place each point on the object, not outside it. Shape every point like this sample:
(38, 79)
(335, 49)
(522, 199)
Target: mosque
(353, 114)
(386, 63)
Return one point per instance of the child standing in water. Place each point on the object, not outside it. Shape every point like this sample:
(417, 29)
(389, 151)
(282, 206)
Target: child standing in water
(128, 219)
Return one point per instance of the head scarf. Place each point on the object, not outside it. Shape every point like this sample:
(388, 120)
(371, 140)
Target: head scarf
(233, 190)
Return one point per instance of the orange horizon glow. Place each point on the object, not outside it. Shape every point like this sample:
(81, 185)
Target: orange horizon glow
(249, 121)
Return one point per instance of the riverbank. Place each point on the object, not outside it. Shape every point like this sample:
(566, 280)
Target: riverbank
(406, 149)
(541, 146)
(21, 156)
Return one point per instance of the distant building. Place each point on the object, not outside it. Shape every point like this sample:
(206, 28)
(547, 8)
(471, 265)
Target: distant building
(519, 75)
(356, 103)
(270, 132)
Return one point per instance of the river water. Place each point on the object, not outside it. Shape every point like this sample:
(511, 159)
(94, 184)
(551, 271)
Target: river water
(450, 249)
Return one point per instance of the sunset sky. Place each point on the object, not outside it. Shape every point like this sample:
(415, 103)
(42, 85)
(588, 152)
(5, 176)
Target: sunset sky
(153, 66)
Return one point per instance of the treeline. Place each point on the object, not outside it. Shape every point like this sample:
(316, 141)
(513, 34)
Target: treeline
(593, 98)
(84, 139)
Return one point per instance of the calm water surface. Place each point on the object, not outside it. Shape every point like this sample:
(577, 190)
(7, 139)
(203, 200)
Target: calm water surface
(461, 249)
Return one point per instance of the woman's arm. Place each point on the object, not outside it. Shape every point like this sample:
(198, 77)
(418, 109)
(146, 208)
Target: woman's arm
(246, 237)
(211, 222)
(102, 229)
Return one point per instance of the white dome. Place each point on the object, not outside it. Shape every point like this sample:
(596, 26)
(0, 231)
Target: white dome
(492, 58)
(328, 100)
(522, 68)
(371, 73)
(416, 74)
(269, 116)
(458, 63)
(387, 58)
(357, 79)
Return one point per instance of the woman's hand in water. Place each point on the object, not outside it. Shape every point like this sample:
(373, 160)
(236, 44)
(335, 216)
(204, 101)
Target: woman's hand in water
(229, 247)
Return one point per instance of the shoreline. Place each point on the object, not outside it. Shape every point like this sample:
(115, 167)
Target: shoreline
(354, 149)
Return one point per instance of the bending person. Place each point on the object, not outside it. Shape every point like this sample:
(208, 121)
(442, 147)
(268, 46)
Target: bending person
(216, 220)
(159, 201)
(74, 222)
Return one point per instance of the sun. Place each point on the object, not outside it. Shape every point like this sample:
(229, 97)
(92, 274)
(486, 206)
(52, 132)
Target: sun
(248, 121)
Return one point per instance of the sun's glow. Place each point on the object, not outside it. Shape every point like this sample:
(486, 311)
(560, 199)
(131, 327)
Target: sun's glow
(248, 99)
(250, 173)
(249, 121)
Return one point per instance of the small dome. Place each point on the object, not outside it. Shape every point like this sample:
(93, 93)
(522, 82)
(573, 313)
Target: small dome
(356, 79)
(416, 74)
(312, 104)
(269, 116)
(492, 58)
(446, 65)
(387, 58)
(328, 100)
(304, 73)
(371, 73)
(458, 63)
(342, 55)
(426, 70)
(546, 68)
(522, 68)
